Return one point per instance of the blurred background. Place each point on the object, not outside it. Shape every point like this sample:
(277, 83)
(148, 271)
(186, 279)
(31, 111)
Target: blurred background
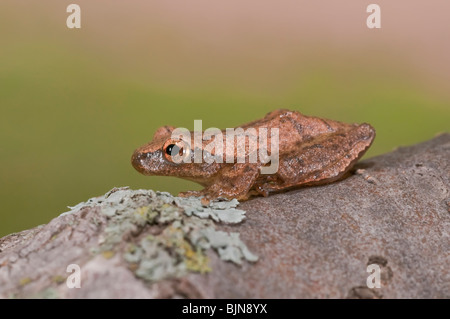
(75, 103)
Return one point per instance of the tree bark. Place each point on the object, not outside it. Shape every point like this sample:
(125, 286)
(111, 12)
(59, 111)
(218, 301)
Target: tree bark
(314, 242)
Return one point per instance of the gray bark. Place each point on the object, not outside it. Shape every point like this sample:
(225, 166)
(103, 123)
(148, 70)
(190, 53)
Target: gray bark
(313, 242)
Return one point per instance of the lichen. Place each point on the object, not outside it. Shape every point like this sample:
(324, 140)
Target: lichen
(183, 230)
(220, 211)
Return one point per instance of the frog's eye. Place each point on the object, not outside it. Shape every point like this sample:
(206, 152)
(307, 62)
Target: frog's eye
(172, 148)
(176, 151)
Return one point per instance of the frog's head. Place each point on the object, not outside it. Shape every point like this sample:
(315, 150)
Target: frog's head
(164, 156)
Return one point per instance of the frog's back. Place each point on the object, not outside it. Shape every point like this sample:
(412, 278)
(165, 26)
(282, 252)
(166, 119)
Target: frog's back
(314, 150)
(295, 128)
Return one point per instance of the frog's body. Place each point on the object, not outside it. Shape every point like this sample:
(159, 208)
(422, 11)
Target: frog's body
(311, 151)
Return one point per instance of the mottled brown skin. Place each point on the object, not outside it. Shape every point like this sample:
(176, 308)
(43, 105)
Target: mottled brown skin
(311, 151)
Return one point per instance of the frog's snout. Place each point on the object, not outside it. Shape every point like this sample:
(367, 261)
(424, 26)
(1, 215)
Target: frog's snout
(148, 162)
(137, 160)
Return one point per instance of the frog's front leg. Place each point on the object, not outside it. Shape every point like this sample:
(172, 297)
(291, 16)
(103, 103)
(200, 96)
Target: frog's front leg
(233, 181)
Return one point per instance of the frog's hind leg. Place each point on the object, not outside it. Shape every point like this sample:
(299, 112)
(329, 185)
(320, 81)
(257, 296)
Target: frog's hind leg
(326, 159)
(354, 144)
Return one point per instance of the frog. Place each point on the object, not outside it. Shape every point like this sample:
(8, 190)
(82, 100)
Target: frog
(310, 151)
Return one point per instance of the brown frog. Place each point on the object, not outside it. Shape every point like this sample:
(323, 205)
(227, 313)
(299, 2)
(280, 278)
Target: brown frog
(310, 151)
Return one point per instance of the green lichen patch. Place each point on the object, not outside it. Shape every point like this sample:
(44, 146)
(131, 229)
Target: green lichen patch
(162, 236)
(229, 246)
(219, 211)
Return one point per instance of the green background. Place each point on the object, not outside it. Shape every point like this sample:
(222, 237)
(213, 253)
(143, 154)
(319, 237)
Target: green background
(76, 103)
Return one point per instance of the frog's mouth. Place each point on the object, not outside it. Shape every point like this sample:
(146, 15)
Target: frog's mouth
(151, 163)
(154, 164)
